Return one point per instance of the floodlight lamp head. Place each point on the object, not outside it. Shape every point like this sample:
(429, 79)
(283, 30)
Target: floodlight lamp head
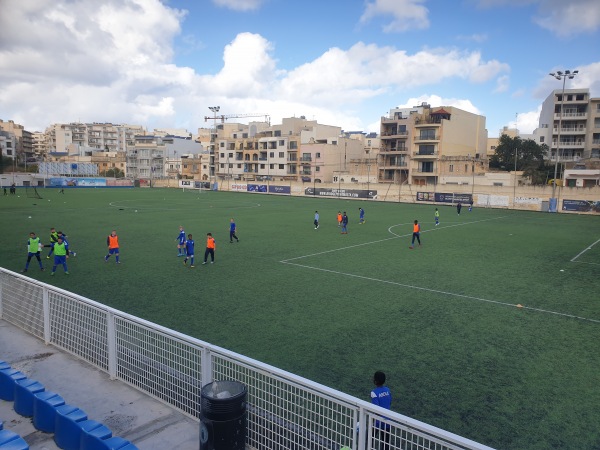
(575, 72)
(567, 72)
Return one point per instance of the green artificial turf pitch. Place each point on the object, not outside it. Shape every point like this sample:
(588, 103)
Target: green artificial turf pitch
(441, 320)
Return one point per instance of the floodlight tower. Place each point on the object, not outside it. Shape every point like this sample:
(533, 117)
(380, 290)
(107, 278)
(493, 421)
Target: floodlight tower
(559, 75)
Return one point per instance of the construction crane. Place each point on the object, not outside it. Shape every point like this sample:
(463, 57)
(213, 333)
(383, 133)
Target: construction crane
(224, 117)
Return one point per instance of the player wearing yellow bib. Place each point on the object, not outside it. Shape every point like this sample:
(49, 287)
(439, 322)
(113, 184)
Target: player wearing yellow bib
(34, 247)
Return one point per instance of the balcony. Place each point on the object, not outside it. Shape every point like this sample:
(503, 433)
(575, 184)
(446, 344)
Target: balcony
(571, 115)
(423, 155)
(306, 159)
(427, 137)
(570, 130)
(571, 144)
(394, 150)
(393, 134)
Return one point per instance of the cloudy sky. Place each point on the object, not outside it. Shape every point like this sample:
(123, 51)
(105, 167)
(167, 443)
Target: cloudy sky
(340, 62)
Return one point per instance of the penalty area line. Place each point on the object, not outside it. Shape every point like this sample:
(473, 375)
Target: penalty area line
(396, 236)
(584, 250)
(437, 291)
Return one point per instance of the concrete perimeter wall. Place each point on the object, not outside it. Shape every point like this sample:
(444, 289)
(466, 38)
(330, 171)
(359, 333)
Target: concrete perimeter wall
(533, 198)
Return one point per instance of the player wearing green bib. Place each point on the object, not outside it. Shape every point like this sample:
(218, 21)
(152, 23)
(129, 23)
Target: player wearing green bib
(34, 247)
(61, 253)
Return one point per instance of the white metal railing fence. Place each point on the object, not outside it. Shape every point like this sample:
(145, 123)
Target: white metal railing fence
(285, 411)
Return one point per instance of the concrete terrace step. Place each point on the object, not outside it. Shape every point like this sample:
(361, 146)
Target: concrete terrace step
(129, 413)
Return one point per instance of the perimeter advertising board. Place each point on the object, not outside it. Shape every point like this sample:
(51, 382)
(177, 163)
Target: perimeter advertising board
(581, 206)
(443, 197)
(344, 193)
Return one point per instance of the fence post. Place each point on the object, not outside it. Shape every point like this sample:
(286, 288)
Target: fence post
(111, 337)
(363, 431)
(206, 367)
(2, 276)
(46, 312)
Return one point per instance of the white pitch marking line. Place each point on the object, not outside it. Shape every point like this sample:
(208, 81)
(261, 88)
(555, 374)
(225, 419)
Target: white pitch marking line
(436, 291)
(585, 250)
(396, 236)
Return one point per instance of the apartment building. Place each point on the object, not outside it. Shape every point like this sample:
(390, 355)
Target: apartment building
(83, 138)
(23, 138)
(296, 149)
(422, 144)
(579, 118)
(146, 158)
(8, 145)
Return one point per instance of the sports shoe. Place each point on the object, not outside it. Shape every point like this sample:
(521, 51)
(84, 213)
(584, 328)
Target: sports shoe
(184, 262)
(204, 262)
(74, 254)
(52, 274)
(47, 257)
(67, 273)
(24, 270)
(118, 262)
(212, 262)
(411, 247)
(42, 269)
(191, 267)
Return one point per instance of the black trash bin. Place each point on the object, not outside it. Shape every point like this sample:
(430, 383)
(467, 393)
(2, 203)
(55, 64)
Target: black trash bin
(223, 416)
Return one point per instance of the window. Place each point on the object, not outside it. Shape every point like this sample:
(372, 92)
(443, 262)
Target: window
(451, 168)
(222, 155)
(230, 155)
(318, 155)
(281, 142)
(428, 134)
(272, 155)
(542, 139)
(277, 133)
(262, 166)
(231, 166)
(293, 145)
(281, 166)
(317, 169)
(272, 166)
(222, 144)
(282, 154)
(493, 147)
(222, 165)
(239, 166)
(466, 167)
(426, 149)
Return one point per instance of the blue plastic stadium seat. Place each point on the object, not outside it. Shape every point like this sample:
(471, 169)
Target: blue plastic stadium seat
(44, 410)
(8, 378)
(92, 434)
(116, 443)
(12, 441)
(4, 365)
(67, 429)
(24, 390)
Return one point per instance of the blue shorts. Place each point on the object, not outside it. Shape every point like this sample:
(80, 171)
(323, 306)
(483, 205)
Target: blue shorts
(181, 241)
(112, 251)
(60, 259)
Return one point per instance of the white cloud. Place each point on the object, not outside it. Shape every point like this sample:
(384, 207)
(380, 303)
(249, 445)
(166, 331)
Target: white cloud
(95, 64)
(436, 100)
(562, 17)
(502, 84)
(401, 15)
(526, 122)
(239, 5)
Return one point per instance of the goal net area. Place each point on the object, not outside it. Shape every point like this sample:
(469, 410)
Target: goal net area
(32, 192)
(193, 185)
